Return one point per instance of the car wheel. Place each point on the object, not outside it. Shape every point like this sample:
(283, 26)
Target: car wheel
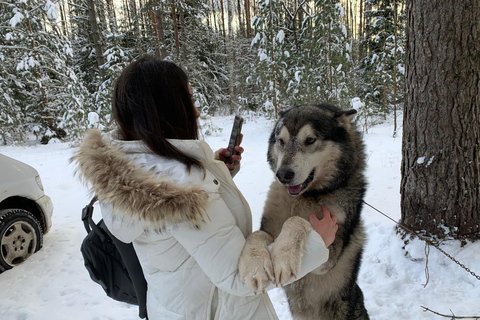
(20, 237)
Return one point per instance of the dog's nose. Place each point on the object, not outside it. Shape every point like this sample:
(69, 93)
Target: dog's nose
(285, 175)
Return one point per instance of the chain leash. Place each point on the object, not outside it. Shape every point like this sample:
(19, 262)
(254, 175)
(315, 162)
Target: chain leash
(428, 242)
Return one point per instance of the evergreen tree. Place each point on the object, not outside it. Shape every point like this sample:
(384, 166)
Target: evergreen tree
(382, 69)
(272, 50)
(202, 55)
(304, 54)
(85, 58)
(40, 89)
(326, 56)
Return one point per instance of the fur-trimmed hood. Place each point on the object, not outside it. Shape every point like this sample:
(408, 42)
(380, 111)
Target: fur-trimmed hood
(116, 180)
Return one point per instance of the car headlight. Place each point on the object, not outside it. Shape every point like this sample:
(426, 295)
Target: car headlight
(39, 182)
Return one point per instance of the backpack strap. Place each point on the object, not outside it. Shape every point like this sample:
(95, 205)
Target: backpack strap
(88, 223)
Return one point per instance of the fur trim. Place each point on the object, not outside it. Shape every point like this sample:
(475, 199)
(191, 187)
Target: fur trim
(116, 180)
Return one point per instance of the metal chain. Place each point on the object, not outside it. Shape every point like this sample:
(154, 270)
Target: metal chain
(455, 260)
(428, 241)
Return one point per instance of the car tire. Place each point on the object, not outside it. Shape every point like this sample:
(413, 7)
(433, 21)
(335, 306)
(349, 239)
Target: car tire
(20, 237)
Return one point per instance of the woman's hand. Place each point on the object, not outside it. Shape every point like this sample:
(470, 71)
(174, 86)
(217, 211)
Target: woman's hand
(327, 227)
(223, 154)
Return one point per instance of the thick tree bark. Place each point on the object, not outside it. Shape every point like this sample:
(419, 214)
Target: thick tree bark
(441, 128)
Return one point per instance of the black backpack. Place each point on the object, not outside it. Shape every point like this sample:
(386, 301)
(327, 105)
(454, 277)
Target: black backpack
(113, 264)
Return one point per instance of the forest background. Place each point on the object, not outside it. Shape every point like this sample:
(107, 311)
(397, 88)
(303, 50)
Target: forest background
(59, 58)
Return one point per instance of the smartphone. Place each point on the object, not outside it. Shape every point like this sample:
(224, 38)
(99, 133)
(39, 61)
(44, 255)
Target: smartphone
(235, 136)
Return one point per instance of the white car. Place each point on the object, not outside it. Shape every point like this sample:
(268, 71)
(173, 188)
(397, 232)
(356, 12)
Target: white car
(25, 212)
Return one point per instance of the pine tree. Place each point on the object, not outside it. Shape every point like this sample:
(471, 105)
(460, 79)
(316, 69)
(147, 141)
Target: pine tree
(382, 69)
(41, 90)
(304, 54)
(327, 61)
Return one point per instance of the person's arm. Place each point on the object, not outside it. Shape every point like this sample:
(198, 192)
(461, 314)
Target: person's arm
(217, 246)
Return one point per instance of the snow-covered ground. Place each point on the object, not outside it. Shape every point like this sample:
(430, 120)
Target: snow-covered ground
(54, 285)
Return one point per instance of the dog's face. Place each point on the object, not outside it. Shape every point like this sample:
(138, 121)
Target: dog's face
(306, 146)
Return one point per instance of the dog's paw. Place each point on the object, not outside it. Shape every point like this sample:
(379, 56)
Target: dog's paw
(287, 251)
(255, 264)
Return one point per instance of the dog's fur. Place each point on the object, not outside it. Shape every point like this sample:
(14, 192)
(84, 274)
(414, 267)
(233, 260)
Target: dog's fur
(318, 157)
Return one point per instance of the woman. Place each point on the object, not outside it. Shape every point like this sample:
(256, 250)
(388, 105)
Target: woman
(162, 189)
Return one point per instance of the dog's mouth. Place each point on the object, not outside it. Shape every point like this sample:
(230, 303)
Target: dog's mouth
(296, 190)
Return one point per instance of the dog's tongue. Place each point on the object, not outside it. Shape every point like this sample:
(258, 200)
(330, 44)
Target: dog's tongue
(295, 189)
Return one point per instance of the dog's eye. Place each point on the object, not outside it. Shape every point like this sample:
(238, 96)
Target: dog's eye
(281, 141)
(310, 141)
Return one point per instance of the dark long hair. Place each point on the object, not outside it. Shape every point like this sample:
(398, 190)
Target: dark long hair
(152, 102)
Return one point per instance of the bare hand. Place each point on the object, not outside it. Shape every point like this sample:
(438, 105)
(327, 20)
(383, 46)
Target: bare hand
(223, 154)
(327, 227)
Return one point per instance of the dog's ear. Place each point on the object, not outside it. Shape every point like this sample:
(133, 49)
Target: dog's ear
(345, 118)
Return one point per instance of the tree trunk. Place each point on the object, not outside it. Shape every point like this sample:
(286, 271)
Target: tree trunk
(361, 30)
(395, 66)
(175, 28)
(97, 39)
(240, 18)
(112, 18)
(441, 129)
(160, 29)
(274, 76)
(247, 19)
(155, 35)
(63, 16)
(223, 22)
(128, 11)
(183, 39)
(136, 26)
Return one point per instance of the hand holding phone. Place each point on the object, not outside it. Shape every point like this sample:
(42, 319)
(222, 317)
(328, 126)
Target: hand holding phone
(234, 136)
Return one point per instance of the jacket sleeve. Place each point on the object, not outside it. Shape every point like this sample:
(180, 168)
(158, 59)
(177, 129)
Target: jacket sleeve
(217, 246)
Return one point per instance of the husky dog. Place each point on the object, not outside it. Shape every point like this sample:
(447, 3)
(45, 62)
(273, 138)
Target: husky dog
(318, 158)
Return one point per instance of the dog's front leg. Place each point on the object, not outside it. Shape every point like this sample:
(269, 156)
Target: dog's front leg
(287, 251)
(255, 264)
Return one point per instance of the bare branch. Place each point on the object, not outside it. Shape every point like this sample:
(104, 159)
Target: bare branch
(450, 316)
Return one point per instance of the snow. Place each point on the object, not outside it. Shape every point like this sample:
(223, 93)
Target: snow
(357, 104)
(53, 283)
(53, 11)
(263, 56)
(340, 9)
(255, 39)
(27, 63)
(344, 30)
(297, 75)
(16, 19)
(280, 36)
(93, 119)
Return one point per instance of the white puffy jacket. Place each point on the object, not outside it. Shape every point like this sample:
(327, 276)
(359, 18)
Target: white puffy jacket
(188, 228)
